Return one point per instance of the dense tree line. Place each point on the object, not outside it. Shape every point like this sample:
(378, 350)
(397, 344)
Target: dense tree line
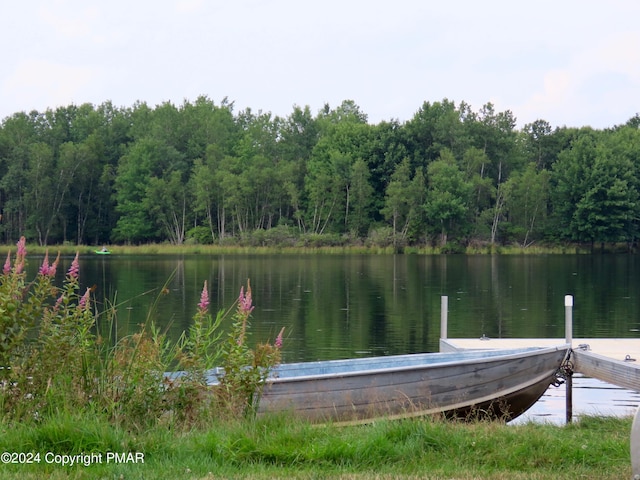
(200, 172)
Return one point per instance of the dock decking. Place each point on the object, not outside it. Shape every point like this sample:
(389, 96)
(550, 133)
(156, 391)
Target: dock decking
(612, 360)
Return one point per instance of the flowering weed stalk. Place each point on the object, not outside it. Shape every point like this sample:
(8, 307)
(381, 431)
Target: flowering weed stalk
(198, 348)
(246, 369)
(18, 314)
(196, 352)
(46, 338)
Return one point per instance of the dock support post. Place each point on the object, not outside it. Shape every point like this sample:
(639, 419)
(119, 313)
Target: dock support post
(568, 333)
(569, 397)
(444, 307)
(568, 319)
(635, 446)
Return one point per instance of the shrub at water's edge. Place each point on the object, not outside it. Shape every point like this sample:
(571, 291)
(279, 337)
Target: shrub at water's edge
(54, 358)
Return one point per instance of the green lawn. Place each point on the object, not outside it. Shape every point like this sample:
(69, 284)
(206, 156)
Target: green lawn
(594, 448)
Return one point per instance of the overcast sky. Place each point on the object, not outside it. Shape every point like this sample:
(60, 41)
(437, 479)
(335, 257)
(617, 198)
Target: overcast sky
(570, 62)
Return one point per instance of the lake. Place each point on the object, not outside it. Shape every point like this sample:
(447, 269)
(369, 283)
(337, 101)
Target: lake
(344, 306)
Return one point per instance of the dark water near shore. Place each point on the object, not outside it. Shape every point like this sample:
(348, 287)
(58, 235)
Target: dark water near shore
(344, 306)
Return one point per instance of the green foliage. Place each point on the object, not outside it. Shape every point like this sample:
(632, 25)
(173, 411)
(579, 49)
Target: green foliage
(448, 196)
(527, 195)
(96, 174)
(404, 203)
(595, 195)
(199, 235)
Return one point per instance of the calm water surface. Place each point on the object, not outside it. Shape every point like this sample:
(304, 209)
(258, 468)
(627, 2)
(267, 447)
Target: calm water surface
(337, 306)
(344, 306)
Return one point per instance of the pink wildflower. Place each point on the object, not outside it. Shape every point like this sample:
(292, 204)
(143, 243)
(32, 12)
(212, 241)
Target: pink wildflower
(84, 301)
(44, 268)
(74, 268)
(7, 264)
(278, 342)
(204, 298)
(244, 301)
(22, 249)
(58, 302)
(21, 254)
(54, 266)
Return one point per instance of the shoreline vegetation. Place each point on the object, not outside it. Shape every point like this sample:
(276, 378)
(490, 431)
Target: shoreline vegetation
(319, 248)
(71, 392)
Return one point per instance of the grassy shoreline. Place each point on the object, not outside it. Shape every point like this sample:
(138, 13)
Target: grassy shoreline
(277, 447)
(168, 249)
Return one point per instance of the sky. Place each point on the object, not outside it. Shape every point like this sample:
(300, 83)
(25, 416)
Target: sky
(570, 62)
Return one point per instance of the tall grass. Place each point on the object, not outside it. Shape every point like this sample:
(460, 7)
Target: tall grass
(326, 246)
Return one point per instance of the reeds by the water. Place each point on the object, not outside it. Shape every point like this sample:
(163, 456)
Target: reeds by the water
(240, 248)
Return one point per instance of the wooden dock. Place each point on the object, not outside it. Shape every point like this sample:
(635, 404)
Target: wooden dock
(612, 360)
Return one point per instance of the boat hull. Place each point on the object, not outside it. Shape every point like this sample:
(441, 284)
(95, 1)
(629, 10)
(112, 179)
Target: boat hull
(465, 385)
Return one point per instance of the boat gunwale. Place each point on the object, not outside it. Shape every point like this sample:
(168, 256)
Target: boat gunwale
(501, 355)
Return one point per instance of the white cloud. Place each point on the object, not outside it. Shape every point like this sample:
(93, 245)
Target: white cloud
(597, 87)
